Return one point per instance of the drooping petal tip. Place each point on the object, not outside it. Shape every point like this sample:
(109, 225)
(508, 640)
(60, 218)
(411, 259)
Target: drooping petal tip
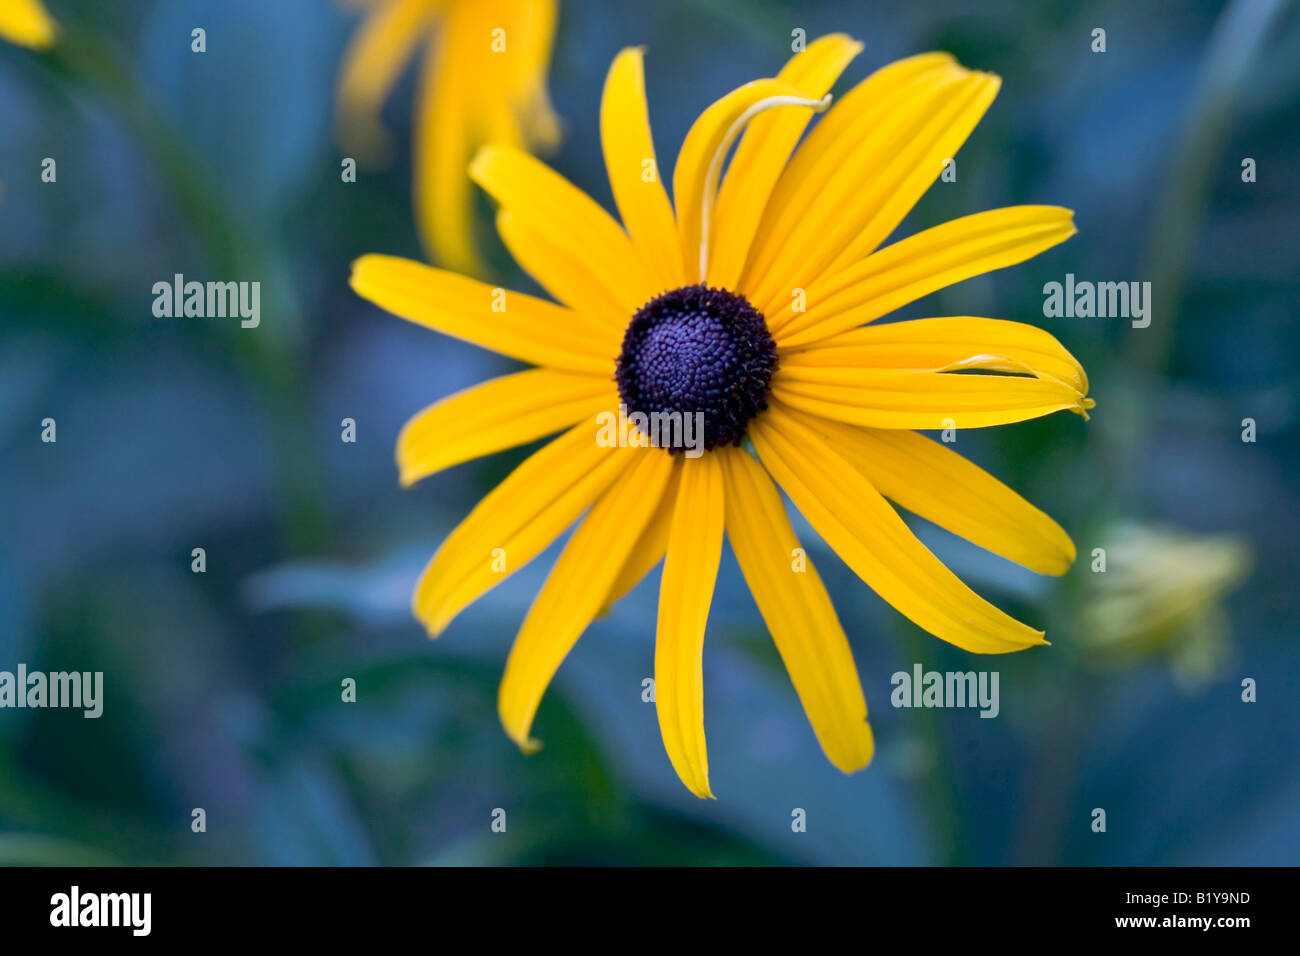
(685, 594)
(798, 612)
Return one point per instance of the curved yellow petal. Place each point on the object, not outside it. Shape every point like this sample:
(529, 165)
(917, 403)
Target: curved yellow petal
(634, 174)
(798, 612)
(933, 481)
(872, 539)
(495, 415)
(559, 214)
(511, 323)
(940, 345)
(896, 150)
(763, 152)
(922, 399)
(685, 593)
(699, 163)
(515, 522)
(27, 23)
(918, 265)
(650, 547)
(376, 54)
(576, 588)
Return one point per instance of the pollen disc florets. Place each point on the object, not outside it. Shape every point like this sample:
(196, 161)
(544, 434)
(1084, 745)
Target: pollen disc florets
(697, 349)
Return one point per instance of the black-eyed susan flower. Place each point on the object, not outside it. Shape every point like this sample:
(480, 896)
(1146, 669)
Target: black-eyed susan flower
(483, 80)
(750, 299)
(27, 23)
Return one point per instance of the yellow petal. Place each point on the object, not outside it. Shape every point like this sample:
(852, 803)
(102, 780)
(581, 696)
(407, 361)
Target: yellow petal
(938, 345)
(529, 27)
(847, 135)
(511, 323)
(694, 550)
(378, 51)
(447, 130)
(897, 147)
(562, 216)
(495, 415)
(872, 539)
(576, 588)
(27, 23)
(916, 266)
(763, 152)
(564, 277)
(940, 485)
(893, 398)
(798, 612)
(917, 378)
(634, 171)
(650, 547)
(699, 163)
(909, 174)
(515, 522)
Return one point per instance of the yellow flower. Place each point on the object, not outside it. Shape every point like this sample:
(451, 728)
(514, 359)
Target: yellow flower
(699, 310)
(1160, 595)
(27, 23)
(482, 81)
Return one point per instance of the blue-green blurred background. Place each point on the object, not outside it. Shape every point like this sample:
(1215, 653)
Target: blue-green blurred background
(223, 688)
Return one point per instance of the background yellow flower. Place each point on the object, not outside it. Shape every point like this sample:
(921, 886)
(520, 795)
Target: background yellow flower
(482, 80)
(1160, 595)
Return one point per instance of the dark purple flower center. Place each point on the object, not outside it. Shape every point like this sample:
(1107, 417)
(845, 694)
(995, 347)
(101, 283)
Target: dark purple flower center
(698, 349)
